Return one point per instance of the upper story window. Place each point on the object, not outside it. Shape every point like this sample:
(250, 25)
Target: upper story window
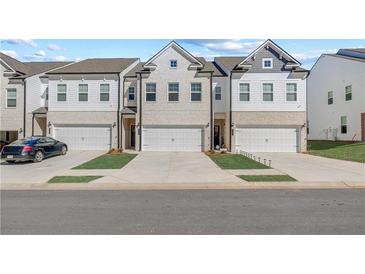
(343, 124)
(218, 93)
(11, 98)
(330, 97)
(268, 92)
(83, 93)
(61, 92)
(291, 92)
(196, 92)
(244, 92)
(173, 92)
(104, 92)
(267, 63)
(131, 93)
(348, 93)
(150, 92)
(173, 63)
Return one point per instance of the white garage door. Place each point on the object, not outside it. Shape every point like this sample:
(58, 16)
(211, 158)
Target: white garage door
(84, 137)
(172, 139)
(267, 139)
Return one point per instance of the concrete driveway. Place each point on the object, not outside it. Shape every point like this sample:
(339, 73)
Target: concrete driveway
(169, 167)
(30, 173)
(308, 168)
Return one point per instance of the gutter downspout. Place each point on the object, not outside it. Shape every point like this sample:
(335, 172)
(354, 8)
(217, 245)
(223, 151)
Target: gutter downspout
(140, 111)
(118, 112)
(230, 111)
(211, 113)
(25, 107)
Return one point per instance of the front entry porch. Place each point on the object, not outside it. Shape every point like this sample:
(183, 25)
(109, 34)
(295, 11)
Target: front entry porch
(219, 137)
(39, 122)
(128, 130)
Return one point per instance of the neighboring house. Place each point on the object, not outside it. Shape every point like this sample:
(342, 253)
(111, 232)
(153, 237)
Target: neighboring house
(23, 97)
(168, 103)
(267, 101)
(336, 96)
(84, 102)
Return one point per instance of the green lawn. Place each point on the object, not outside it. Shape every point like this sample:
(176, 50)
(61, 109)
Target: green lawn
(108, 161)
(73, 179)
(267, 178)
(338, 150)
(235, 161)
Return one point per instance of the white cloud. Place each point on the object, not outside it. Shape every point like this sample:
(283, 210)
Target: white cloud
(11, 53)
(311, 56)
(27, 42)
(54, 47)
(40, 53)
(226, 46)
(59, 58)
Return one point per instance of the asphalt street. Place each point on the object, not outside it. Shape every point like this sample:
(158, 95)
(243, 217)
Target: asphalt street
(330, 211)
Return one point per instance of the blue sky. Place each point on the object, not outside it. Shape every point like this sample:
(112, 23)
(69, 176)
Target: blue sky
(306, 51)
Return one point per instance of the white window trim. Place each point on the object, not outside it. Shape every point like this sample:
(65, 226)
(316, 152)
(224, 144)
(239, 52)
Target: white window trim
(173, 92)
(102, 92)
(286, 91)
(145, 93)
(170, 63)
(215, 92)
(333, 97)
(239, 92)
(61, 93)
(134, 93)
(267, 59)
(16, 98)
(201, 92)
(349, 85)
(262, 91)
(78, 93)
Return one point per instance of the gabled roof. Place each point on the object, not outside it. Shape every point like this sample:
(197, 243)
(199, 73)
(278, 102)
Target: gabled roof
(271, 44)
(343, 57)
(96, 66)
(361, 50)
(136, 69)
(14, 64)
(176, 46)
(211, 67)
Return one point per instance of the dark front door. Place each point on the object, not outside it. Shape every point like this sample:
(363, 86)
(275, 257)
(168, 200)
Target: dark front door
(133, 135)
(216, 136)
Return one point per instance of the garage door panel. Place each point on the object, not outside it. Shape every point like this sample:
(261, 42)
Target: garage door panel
(172, 139)
(84, 138)
(267, 139)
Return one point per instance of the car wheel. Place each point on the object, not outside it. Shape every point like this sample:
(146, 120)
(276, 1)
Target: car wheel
(10, 162)
(63, 150)
(38, 157)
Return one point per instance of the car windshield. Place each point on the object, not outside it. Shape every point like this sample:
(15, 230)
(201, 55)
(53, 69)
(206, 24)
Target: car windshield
(26, 141)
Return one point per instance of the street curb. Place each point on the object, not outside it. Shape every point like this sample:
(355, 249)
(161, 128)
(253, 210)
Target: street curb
(184, 186)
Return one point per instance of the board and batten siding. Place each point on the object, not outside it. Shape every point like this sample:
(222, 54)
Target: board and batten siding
(279, 102)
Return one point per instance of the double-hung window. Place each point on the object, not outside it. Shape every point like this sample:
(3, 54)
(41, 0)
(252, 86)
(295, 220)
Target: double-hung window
(131, 93)
(218, 93)
(173, 92)
(196, 92)
(343, 124)
(330, 97)
(244, 92)
(268, 92)
(150, 92)
(83, 93)
(348, 93)
(61, 92)
(11, 98)
(291, 92)
(104, 92)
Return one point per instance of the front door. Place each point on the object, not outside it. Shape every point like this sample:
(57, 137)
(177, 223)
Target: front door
(133, 135)
(216, 136)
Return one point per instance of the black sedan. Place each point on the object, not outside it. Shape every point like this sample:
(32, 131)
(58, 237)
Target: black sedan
(33, 149)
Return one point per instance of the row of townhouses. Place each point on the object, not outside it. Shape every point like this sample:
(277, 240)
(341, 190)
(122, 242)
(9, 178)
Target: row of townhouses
(179, 102)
